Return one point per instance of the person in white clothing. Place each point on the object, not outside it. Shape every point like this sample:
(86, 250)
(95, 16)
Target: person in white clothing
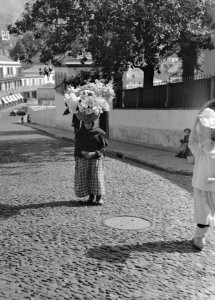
(202, 145)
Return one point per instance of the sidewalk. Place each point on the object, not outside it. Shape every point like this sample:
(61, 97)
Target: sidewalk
(158, 159)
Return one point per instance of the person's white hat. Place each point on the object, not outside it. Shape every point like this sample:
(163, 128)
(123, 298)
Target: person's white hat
(207, 122)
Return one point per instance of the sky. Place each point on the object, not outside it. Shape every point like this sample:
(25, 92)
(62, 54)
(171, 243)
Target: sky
(10, 11)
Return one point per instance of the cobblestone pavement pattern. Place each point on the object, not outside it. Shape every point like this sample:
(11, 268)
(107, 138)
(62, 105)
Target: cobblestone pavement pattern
(53, 247)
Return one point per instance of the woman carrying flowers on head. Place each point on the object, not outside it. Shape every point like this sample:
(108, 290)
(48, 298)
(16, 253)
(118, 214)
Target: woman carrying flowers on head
(88, 102)
(90, 146)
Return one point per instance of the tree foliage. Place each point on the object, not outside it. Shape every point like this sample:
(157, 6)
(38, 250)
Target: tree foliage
(118, 34)
(84, 76)
(26, 48)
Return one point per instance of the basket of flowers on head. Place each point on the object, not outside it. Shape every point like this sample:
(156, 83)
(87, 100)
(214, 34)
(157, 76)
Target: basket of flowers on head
(207, 119)
(90, 100)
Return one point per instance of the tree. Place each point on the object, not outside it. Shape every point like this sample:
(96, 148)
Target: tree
(18, 51)
(25, 49)
(143, 33)
(118, 34)
(195, 34)
(133, 33)
(83, 76)
(55, 27)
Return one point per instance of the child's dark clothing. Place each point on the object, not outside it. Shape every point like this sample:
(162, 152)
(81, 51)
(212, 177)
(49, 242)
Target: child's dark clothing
(184, 149)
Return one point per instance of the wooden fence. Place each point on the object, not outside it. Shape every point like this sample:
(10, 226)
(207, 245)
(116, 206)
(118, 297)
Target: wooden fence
(187, 94)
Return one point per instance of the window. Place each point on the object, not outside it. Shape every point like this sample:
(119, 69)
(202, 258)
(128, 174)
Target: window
(34, 94)
(5, 35)
(18, 70)
(9, 70)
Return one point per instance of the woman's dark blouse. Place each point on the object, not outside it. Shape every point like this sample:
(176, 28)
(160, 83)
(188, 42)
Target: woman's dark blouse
(92, 141)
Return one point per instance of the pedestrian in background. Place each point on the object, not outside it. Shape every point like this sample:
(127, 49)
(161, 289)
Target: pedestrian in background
(184, 149)
(28, 118)
(90, 146)
(203, 181)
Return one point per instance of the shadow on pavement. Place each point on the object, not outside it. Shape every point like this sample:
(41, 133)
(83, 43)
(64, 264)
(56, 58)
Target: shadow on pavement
(7, 211)
(35, 151)
(71, 203)
(122, 253)
(43, 150)
(17, 132)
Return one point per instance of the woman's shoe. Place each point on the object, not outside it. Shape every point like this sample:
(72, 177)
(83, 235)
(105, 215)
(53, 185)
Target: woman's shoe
(99, 200)
(199, 242)
(90, 200)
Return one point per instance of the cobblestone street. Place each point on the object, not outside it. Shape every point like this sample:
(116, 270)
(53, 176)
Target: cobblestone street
(54, 247)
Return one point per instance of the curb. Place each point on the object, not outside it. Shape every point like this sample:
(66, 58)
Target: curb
(48, 133)
(122, 155)
(149, 164)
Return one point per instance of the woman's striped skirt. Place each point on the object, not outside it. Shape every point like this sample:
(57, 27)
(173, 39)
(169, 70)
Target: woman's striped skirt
(89, 177)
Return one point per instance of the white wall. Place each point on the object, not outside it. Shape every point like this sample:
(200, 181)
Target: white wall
(43, 115)
(63, 122)
(52, 115)
(46, 93)
(157, 128)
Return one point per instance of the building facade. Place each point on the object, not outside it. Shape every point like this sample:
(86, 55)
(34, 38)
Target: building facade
(46, 94)
(32, 80)
(10, 82)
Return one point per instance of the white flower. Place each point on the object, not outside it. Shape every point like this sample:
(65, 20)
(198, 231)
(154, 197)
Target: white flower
(91, 98)
(72, 101)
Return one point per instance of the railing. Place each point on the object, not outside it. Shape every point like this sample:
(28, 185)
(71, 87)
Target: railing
(10, 76)
(185, 94)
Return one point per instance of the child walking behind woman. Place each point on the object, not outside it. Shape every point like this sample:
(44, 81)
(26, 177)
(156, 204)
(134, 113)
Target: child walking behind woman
(203, 181)
(90, 146)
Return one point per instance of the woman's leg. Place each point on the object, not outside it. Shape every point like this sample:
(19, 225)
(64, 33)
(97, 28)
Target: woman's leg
(90, 199)
(96, 179)
(81, 177)
(202, 214)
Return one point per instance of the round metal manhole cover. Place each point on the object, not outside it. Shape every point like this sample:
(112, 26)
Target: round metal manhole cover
(127, 223)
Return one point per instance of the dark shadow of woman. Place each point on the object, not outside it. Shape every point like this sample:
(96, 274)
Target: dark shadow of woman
(121, 253)
(7, 211)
